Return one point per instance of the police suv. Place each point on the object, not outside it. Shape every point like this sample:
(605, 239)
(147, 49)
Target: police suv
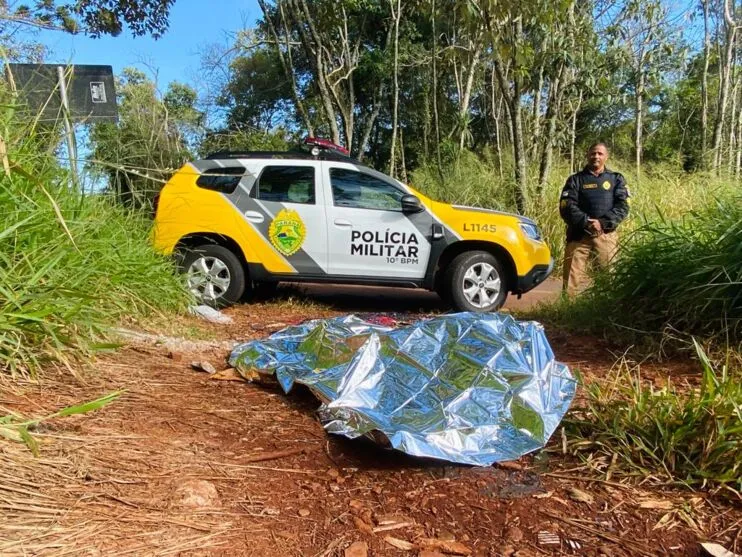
(238, 221)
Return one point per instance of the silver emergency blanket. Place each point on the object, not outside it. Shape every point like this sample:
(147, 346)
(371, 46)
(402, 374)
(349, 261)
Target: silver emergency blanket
(468, 388)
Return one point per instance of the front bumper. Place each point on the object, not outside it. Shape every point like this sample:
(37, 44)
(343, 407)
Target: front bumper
(533, 278)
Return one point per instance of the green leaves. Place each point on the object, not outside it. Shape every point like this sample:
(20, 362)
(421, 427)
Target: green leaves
(677, 274)
(14, 428)
(99, 17)
(154, 136)
(69, 264)
(691, 435)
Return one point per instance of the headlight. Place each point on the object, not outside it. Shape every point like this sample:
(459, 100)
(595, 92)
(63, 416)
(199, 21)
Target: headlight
(531, 231)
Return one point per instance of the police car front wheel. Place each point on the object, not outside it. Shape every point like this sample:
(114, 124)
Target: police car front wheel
(476, 282)
(214, 275)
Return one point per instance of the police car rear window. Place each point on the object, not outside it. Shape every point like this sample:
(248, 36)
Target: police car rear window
(223, 180)
(287, 184)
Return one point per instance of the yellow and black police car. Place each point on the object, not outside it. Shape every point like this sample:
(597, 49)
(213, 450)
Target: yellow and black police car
(241, 220)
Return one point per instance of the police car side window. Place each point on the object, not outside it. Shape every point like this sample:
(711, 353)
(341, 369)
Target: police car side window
(287, 184)
(351, 188)
(223, 180)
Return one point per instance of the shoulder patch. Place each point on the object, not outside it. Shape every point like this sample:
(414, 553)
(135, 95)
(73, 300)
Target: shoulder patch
(565, 193)
(562, 203)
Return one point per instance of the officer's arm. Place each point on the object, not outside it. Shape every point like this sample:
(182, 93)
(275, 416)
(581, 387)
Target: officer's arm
(568, 208)
(620, 211)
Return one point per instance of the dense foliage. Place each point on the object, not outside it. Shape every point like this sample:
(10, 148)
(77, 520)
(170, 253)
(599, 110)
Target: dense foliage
(536, 81)
(153, 137)
(70, 265)
(93, 17)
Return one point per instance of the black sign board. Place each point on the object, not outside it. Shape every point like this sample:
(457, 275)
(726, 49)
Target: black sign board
(90, 90)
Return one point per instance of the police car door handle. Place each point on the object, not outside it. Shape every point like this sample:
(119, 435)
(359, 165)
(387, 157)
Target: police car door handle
(254, 216)
(343, 223)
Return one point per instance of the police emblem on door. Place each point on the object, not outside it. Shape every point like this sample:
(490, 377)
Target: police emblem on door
(287, 232)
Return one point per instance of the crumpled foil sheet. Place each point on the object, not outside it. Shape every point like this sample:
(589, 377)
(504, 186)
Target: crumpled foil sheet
(468, 388)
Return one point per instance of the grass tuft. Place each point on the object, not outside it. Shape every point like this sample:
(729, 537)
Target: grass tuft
(70, 264)
(691, 436)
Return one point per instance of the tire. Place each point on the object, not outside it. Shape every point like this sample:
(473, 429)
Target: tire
(443, 291)
(215, 275)
(476, 282)
(263, 290)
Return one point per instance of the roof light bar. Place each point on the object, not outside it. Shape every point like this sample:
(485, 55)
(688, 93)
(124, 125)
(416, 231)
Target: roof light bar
(318, 143)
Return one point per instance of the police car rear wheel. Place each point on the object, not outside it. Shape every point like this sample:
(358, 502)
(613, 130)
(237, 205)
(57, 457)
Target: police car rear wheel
(476, 282)
(214, 275)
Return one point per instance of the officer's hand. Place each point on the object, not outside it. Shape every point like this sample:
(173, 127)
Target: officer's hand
(595, 225)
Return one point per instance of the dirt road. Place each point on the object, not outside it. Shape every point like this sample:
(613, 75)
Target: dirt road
(185, 464)
(370, 298)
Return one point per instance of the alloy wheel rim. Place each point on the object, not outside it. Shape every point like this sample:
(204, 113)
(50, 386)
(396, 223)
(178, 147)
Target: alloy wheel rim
(481, 285)
(208, 278)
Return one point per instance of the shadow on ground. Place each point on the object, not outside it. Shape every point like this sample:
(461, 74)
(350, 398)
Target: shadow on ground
(348, 298)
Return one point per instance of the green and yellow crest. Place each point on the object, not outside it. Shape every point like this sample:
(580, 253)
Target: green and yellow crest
(606, 185)
(287, 232)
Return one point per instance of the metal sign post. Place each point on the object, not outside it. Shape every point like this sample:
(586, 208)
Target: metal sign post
(76, 93)
(71, 139)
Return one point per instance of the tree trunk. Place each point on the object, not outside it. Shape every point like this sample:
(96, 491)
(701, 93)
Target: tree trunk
(732, 127)
(732, 139)
(464, 108)
(370, 122)
(496, 114)
(705, 86)
(376, 107)
(315, 56)
(426, 122)
(574, 133)
(512, 99)
(536, 117)
(555, 96)
(396, 15)
(436, 120)
(287, 62)
(723, 91)
(638, 121)
(521, 177)
(401, 155)
(344, 101)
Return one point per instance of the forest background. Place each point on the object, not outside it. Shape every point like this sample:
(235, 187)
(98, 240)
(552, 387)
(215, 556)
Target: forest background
(482, 102)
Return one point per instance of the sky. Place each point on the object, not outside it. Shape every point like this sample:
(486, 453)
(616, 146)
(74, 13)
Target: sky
(176, 56)
(194, 24)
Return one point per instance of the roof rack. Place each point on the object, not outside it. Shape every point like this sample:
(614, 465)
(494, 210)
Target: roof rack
(281, 155)
(316, 149)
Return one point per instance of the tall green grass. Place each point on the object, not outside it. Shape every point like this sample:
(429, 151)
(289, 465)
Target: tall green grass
(682, 277)
(664, 192)
(70, 264)
(692, 435)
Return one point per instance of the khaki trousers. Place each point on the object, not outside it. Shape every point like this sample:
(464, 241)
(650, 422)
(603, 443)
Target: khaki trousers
(577, 256)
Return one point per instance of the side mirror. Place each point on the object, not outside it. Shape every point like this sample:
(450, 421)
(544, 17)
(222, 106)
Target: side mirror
(411, 204)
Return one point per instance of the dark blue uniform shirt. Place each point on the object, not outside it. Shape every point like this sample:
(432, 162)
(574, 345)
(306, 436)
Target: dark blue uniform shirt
(604, 197)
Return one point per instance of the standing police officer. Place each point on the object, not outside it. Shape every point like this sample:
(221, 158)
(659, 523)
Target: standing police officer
(593, 203)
